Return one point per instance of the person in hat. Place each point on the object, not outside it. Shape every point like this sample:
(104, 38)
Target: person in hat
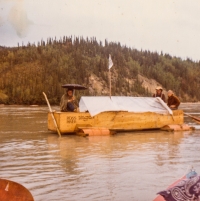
(173, 101)
(68, 102)
(159, 93)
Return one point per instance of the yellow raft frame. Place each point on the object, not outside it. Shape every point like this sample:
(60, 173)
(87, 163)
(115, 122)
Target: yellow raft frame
(109, 122)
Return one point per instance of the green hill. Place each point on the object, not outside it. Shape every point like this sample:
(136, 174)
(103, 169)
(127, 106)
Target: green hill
(29, 70)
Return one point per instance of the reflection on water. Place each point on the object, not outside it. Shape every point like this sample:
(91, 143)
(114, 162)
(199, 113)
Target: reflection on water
(127, 166)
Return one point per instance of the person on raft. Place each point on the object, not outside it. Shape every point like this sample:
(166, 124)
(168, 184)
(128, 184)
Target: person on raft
(159, 93)
(68, 102)
(173, 101)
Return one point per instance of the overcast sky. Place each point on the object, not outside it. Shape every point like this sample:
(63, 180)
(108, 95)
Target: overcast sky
(171, 26)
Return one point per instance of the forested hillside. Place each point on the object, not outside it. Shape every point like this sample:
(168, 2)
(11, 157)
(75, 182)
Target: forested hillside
(27, 71)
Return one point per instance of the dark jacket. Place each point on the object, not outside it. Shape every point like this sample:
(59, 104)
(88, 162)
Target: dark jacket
(173, 100)
(162, 96)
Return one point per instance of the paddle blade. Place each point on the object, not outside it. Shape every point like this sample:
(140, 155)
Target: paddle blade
(12, 191)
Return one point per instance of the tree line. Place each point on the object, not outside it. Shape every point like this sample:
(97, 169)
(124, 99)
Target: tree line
(27, 71)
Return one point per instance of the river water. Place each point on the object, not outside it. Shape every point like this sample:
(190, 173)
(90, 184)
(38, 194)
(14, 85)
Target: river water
(127, 166)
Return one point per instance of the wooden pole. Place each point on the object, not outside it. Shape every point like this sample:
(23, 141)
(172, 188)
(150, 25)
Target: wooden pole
(193, 117)
(165, 106)
(110, 64)
(110, 81)
(50, 110)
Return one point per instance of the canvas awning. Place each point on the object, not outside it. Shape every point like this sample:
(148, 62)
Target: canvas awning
(97, 104)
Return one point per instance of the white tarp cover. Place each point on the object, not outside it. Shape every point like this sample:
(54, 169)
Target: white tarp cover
(97, 104)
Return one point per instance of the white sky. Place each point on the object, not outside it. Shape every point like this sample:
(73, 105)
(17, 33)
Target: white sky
(171, 26)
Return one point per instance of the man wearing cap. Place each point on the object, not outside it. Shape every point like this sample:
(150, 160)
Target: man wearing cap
(68, 102)
(159, 93)
(173, 101)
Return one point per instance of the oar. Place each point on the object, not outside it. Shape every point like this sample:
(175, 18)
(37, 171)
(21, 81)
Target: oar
(195, 118)
(10, 190)
(50, 110)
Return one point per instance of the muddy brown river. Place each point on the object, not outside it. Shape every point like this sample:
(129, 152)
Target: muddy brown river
(127, 166)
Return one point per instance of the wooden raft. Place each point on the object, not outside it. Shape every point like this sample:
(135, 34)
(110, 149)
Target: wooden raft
(83, 122)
